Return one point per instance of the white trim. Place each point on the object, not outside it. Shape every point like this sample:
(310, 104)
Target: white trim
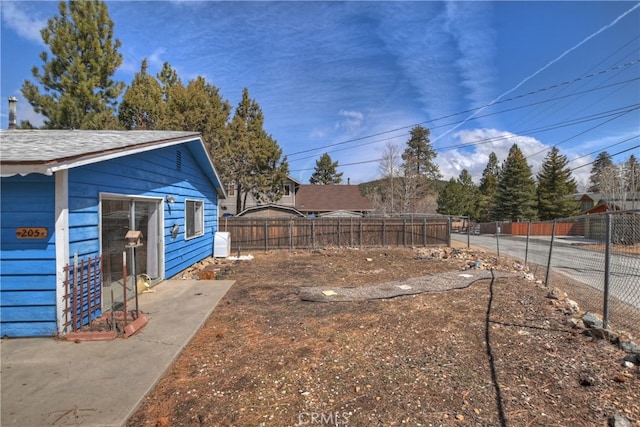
(161, 206)
(202, 223)
(100, 157)
(61, 242)
(50, 169)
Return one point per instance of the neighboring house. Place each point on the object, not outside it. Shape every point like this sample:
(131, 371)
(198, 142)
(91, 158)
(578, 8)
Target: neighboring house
(271, 211)
(591, 203)
(313, 201)
(77, 193)
(335, 200)
(228, 206)
(588, 200)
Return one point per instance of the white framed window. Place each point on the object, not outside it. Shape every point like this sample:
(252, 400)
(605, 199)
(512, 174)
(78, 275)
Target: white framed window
(194, 218)
(287, 190)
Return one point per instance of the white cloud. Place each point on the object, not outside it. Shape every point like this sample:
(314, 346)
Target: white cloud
(24, 24)
(351, 120)
(452, 162)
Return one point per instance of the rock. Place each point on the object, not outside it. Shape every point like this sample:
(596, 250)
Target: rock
(619, 421)
(592, 320)
(587, 379)
(575, 323)
(556, 293)
(603, 334)
(630, 347)
(572, 305)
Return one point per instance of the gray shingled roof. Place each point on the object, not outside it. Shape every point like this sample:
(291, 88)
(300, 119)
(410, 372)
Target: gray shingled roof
(329, 198)
(46, 146)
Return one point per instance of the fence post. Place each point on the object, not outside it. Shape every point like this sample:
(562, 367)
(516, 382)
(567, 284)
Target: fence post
(448, 231)
(607, 272)
(360, 231)
(424, 232)
(313, 233)
(498, 238)
(266, 235)
(404, 232)
(526, 248)
(291, 235)
(468, 232)
(553, 234)
(384, 233)
(351, 231)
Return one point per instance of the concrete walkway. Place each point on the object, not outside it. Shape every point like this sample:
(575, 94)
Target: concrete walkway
(48, 382)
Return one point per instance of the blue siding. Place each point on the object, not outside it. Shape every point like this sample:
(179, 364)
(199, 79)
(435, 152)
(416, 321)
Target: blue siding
(27, 267)
(150, 174)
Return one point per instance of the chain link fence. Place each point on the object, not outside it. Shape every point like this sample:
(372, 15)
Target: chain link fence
(594, 258)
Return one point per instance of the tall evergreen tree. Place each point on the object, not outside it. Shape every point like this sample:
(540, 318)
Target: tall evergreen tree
(419, 155)
(450, 198)
(601, 165)
(516, 196)
(326, 172)
(488, 189)
(252, 159)
(458, 197)
(197, 107)
(142, 106)
(79, 92)
(556, 186)
(632, 175)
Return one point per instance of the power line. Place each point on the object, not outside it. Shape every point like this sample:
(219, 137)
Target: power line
(477, 117)
(612, 155)
(554, 86)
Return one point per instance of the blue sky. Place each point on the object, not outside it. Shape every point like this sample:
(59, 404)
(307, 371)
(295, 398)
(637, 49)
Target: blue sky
(348, 78)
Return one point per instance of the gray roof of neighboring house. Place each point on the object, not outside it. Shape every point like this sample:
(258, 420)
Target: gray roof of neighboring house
(328, 198)
(47, 151)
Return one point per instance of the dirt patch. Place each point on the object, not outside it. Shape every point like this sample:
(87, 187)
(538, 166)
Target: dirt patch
(498, 352)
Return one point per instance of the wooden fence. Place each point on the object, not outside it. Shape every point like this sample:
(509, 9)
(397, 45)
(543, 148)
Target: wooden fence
(311, 233)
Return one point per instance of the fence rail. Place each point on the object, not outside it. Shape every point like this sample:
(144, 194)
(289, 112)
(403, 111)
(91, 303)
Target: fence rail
(594, 258)
(311, 233)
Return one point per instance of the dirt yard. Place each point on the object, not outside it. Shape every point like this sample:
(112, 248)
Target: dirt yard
(494, 353)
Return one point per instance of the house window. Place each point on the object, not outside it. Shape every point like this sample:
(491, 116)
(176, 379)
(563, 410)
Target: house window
(287, 190)
(231, 189)
(194, 218)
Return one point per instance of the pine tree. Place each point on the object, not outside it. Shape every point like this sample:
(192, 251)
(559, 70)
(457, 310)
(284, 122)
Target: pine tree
(326, 172)
(450, 198)
(197, 107)
(632, 175)
(556, 186)
(516, 196)
(252, 159)
(458, 196)
(142, 106)
(601, 165)
(79, 92)
(488, 189)
(419, 155)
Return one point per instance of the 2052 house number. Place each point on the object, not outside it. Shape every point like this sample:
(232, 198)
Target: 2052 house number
(31, 233)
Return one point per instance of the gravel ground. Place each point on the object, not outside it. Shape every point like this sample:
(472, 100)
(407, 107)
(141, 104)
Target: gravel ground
(464, 353)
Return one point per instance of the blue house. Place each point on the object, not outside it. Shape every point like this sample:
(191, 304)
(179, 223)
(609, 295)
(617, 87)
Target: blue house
(74, 195)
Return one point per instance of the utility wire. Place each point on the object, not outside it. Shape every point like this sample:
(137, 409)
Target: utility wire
(554, 86)
(612, 155)
(478, 117)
